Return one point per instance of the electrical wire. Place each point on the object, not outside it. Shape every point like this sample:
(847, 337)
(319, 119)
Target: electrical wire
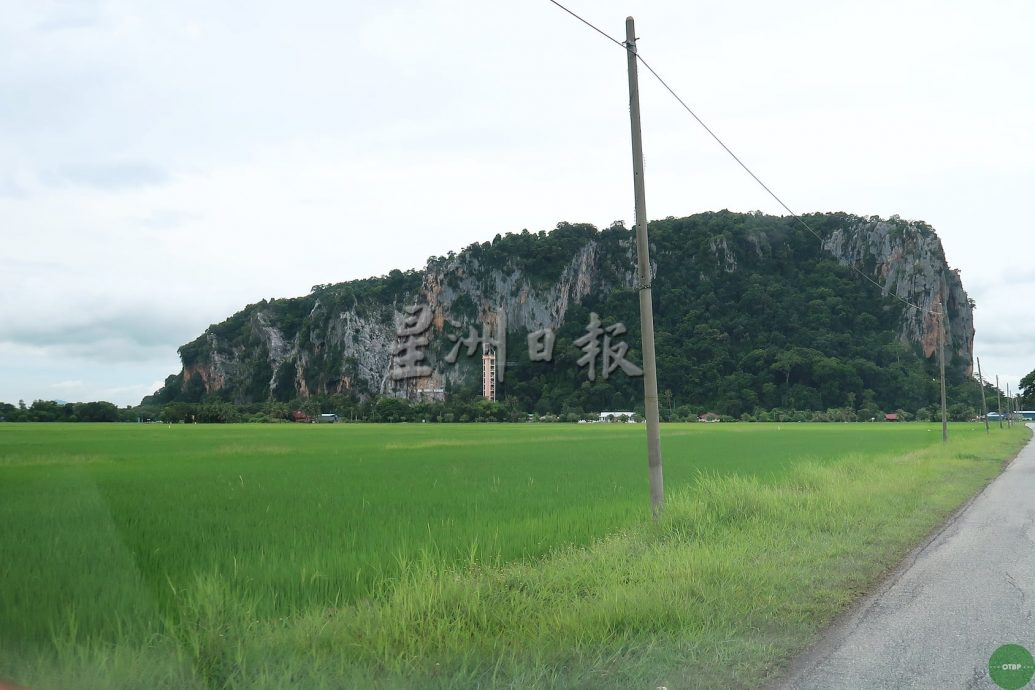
(736, 158)
(598, 30)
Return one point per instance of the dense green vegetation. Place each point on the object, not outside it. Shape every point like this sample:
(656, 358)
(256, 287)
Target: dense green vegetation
(752, 319)
(51, 411)
(1028, 391)
(789, 328)
(450, 556)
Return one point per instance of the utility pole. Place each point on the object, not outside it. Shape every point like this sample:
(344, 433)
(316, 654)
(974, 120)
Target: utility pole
(999, 400)
(650, 371)
(941, 362)
(984, 407)
(1009, 405)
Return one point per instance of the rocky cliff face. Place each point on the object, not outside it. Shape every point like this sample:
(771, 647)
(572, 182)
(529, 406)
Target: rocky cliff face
(340, 338)
(906, 260)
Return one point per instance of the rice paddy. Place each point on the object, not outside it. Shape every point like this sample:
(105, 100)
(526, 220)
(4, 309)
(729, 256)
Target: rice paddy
(449, 555)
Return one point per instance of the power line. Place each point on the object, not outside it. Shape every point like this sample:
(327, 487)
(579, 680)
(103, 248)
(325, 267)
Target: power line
(598, 30)
(764, 186)
(736, 158)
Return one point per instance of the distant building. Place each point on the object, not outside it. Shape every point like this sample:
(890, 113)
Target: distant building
(616, 416)
(1027, 414)
(299, 416)
(430, 393)
(417, 390)
(708, 417)
(891, 417)
(328, 418)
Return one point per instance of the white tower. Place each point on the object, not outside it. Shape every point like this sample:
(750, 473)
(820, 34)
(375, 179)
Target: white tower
(488, 372)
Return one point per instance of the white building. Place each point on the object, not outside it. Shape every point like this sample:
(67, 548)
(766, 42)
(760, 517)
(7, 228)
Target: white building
(616, 416)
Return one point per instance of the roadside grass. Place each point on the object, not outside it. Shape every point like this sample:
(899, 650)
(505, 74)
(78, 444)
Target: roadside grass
(745, 567)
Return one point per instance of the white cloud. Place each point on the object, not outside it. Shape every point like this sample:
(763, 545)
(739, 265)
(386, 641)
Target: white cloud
(165, 164)
(109, 176)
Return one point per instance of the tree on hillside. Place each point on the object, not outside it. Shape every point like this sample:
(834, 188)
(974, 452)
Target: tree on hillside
(1028, 391)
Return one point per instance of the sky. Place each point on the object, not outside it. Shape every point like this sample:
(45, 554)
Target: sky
(162, 165)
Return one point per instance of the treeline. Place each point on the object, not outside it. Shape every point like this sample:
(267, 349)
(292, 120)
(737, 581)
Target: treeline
(462, 407)
(51, 411)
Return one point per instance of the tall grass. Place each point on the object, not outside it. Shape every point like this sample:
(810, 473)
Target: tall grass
(478, 576)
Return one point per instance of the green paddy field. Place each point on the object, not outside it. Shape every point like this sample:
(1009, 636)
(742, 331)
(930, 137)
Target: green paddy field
(452, 556)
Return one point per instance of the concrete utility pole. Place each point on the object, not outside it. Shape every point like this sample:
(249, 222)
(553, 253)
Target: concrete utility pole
(999, 401)
(941, 362)
(650, 371)
(984, 407)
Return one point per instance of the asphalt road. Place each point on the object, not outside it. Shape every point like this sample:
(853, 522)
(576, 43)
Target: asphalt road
(934, 623)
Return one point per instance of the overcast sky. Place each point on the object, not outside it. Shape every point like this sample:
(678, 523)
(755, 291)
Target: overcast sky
(163, 164)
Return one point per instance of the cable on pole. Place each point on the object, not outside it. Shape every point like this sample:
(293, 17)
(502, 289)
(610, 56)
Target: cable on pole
(592, 26)
(736, 158)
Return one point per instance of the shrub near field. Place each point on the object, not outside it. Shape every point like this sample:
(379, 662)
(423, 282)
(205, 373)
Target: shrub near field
(452, 556)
